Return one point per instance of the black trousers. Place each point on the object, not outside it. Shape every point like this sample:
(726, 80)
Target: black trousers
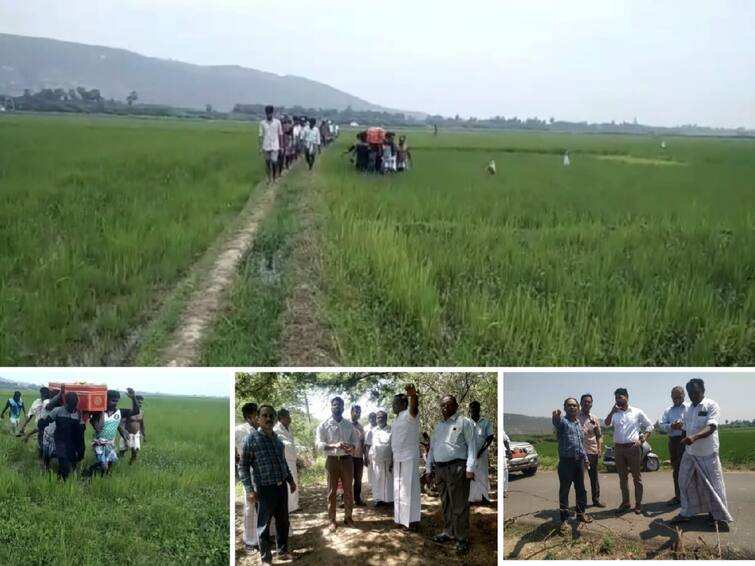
(358, 472)
(272, 501)
(593, 473)
(571, 471)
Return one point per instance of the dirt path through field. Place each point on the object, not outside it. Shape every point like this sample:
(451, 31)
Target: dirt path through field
(306, 339)
(375, 540)
(208, 297)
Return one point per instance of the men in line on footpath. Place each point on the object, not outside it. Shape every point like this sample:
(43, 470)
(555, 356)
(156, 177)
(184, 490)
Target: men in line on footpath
(693, 445)
(60, 430)
(376, 151)
(284, 139)
(458, 458)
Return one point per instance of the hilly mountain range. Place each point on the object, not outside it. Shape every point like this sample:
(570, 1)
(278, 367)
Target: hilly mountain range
(36, 63)
(524, 424)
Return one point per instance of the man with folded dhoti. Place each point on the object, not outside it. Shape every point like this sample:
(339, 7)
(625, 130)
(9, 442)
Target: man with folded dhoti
(479, 488)
(405, 449)
(379, 457)
(283, 429)
(701, 479)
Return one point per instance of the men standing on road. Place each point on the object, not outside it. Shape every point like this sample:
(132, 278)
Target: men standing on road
(452, 460)
(358, 455)
(283, 429)
(379, 460)
(337, 437)
(479, 489)
(593, 442)
(270, 141)
(251, 422)
(701, 479)
(675, 414)
(628, 438)
(405, 447)
(264, 473)
(572, 461)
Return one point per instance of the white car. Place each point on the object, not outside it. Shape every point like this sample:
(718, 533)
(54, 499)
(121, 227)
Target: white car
(524, 458)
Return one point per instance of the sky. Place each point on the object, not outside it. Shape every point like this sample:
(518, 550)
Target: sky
(666, 63)
(213, 382)
(539, 394)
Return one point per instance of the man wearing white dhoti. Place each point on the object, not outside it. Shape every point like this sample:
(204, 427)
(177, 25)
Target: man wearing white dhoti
(283, 429)
(249, 412)
(479, 488)
(372, 422)
(701, 479)
(405, 467)
(379, 456)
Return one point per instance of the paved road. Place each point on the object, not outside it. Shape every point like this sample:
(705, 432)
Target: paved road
(537, 498)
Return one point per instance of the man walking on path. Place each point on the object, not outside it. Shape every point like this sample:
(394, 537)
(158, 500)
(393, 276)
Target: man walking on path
(479, 489)
(264, 473)
(285, 434)
(593, 441)
(270, 141)
(572, 461)
(628, 438)
(337, 438)
(452, 461)
(250, 413)
(701, 479)
(358, 455)
(379, 459)
(405, 447)
(311, 140)
(675, 414)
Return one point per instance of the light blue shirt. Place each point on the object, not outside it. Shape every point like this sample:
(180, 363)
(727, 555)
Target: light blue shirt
(669, 416)
(453, 439)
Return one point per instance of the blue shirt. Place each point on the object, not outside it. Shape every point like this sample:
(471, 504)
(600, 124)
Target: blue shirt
(669, 416)
(570, 441)
(265, 455)
(453, 439)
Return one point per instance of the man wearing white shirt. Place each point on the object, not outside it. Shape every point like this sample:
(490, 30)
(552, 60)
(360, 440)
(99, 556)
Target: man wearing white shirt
(337, 438)
(283, 429)
(701, 479)
(250, 414)
(479, 489)
(628, 438)
(270, 134)
(674, 414)
(405, 448)
(311, 140)
(452, 459)
(379, 459)
(371, 423)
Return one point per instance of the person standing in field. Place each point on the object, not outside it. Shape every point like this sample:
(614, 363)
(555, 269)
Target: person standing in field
(453, 460)
(107, 425)
(675, 414)
(628, 438)
(283, 429)
(479, 489)
(241, 432)
(593, 441)
(379, 460)
(405, 447)
(16, 406)
(264, 472)
(296, 137)
(68, 434)
(403, 155)
(572, 461)
(358, 455)
(337, 437)
(701, 479)
(311, 140)
(135, 430)
(270, 140)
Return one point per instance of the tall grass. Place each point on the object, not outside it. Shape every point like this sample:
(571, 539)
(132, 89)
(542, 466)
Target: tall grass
(608, 262)
(99, 217)
(170, 507)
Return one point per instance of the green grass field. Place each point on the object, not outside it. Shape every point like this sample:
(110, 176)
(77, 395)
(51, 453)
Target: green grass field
(608, 262)
(170, 507)
(737, 447)
(99, 218)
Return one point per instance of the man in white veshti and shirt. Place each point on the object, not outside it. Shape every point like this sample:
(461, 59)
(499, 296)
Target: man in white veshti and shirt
(405, 448)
